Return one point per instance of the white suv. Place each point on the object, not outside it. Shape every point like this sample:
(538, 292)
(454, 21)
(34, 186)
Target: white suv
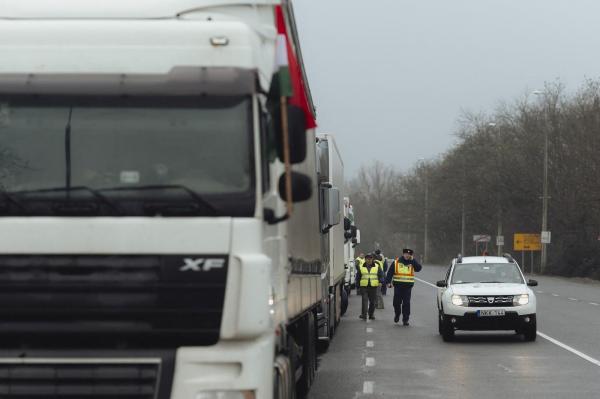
(486, 293)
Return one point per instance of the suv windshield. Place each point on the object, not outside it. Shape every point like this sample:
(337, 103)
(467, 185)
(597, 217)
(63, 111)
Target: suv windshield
(126, 156)
(486, 273)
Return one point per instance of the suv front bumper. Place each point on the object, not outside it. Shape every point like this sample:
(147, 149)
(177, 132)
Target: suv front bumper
(510, 321)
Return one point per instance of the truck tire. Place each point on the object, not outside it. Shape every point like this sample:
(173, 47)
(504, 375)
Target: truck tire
(344, 301)
(309, 357)
(283, 380)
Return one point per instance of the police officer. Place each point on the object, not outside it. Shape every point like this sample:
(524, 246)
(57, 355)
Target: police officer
(402, 274)
(368, 278)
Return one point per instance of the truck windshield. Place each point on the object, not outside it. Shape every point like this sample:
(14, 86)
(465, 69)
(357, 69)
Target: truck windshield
(126, 156)
(486, 273)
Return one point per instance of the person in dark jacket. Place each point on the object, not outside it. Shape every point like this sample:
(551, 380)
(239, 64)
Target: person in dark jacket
(401, 274)
(381, 258)
(369, 276)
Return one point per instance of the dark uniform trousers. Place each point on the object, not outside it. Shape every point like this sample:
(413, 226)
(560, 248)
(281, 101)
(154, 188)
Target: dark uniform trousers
(369, 296)
(402, 292)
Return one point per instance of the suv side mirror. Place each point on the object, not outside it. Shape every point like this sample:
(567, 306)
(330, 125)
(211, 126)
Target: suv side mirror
(532, 283)
(441, 283)
(301, 187)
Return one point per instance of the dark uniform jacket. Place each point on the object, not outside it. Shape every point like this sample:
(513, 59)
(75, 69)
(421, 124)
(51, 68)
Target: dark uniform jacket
(392, 267)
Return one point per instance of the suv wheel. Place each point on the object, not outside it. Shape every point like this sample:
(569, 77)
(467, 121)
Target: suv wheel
(530, 332)
(446, 329)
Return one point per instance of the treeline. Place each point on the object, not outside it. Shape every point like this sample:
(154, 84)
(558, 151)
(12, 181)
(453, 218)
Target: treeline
(492, 176)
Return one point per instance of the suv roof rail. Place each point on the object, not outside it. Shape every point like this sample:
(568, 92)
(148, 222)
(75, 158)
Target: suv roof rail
(459, 258)
(509, 257)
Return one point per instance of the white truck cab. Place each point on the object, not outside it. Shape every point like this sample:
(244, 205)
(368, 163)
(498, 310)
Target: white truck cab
(486, 293)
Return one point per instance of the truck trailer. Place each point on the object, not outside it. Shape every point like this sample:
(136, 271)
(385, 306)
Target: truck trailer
(163, 221)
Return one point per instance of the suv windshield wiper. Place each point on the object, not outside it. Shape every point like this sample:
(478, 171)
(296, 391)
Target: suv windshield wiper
(70, 205)
(489, 282)
(158, 207)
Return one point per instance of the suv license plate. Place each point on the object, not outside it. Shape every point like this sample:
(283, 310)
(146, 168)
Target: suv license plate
(490, 312)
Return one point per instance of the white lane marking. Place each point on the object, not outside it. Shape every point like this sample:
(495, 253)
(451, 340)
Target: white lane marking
(370, 344)
(540, 292)
(594, 303)
(369, 329)
(503, 367)
(368, 387)
(572, 299)
(370, 362)
(426, 282)
(570, 349)
(554, 341)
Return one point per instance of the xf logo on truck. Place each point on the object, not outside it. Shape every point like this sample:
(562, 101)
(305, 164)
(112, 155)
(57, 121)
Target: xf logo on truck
(201, 264)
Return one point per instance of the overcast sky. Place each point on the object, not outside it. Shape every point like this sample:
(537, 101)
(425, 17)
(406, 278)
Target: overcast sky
(390, 77)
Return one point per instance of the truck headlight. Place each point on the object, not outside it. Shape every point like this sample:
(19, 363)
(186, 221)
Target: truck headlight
(460, 300)
(225, 395)
(520, 300)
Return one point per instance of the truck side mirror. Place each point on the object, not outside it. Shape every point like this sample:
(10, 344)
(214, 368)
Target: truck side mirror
(354, 231)
(301, 187)
(347, 223)
(333, 206)
(296, 134)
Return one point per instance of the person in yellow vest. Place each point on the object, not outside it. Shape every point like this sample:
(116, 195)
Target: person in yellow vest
(401, 274)
(368, 279)
(360, 259)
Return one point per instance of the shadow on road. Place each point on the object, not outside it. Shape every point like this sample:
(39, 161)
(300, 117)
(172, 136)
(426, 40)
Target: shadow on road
(468, 337)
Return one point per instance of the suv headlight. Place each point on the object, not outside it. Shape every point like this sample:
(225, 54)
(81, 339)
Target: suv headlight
(460, 300)
(520, 300)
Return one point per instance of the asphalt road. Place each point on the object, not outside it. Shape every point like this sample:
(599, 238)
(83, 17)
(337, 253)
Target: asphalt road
(381, 359)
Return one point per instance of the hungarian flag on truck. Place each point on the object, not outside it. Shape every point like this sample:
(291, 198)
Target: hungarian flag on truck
(291, 83)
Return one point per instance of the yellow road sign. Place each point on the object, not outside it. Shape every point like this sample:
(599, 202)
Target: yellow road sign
(527, 242)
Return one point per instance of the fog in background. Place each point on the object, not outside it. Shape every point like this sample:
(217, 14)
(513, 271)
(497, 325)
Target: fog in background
(390, 77)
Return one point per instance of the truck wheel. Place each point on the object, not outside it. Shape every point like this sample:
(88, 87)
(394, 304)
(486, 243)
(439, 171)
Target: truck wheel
(283, 379)
(344, 301)
(309, 357)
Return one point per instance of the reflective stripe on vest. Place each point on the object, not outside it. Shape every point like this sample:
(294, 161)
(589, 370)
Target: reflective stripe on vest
(403, 273)
(368, 277)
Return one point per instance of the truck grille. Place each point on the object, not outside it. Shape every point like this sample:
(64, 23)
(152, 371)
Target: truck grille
(490, 300)
(124, 301)
(79, 381)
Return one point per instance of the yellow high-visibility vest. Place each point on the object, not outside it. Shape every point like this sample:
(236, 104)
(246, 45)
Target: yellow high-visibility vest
(360, 261)
(368, 277)
(380, 264)
(403, 273)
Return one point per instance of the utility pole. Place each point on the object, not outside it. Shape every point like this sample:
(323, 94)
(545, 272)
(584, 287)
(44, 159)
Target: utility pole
(545, 202)
(499, 237)
(426, 238)
(426, 206)
(544, 197)
(462, 228)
